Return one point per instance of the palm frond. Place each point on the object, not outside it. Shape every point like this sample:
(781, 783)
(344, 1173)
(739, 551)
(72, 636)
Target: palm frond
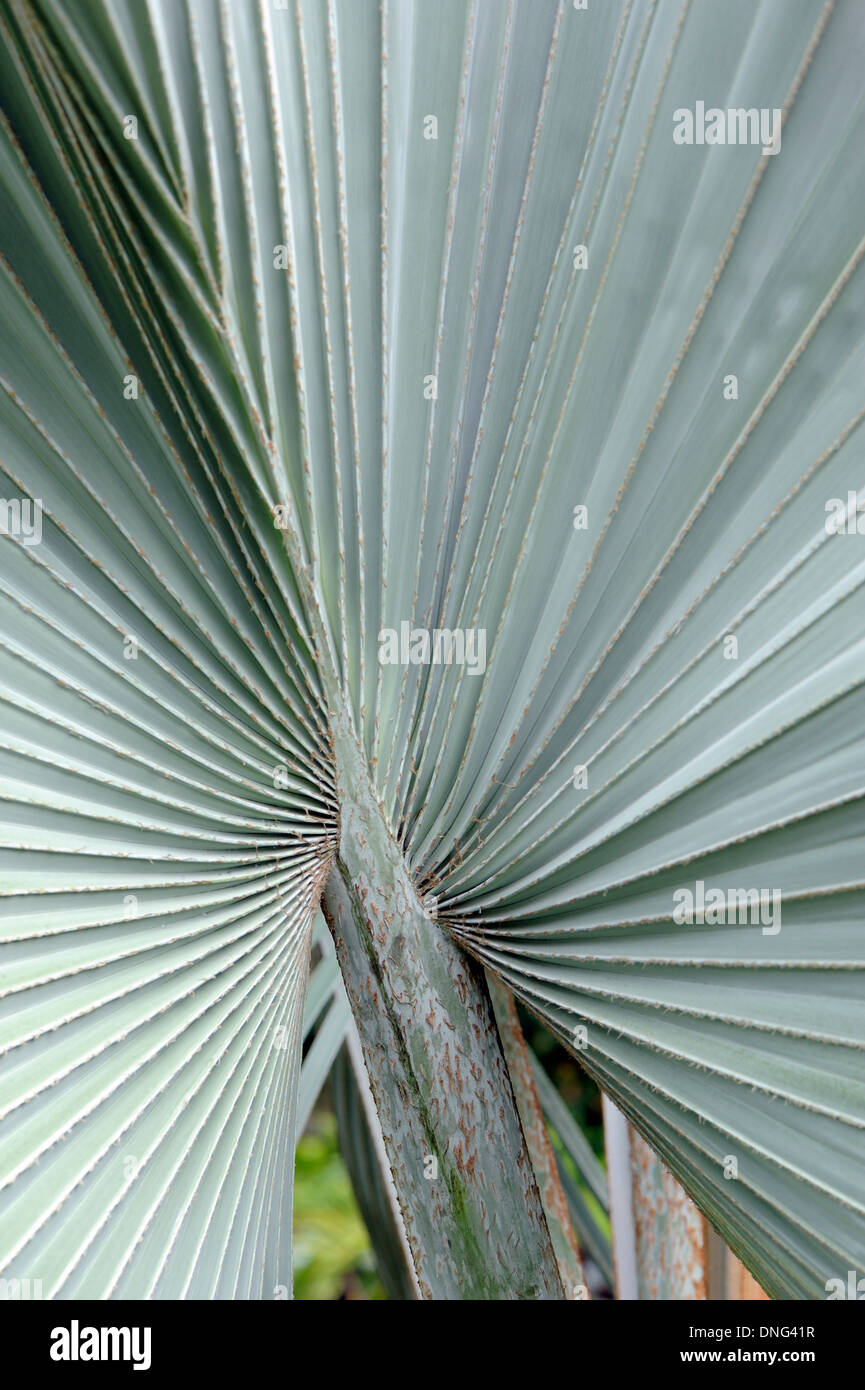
(299, 351)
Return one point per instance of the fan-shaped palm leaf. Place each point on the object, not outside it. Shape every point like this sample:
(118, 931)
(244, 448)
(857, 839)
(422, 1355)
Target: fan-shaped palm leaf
(331, 318)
